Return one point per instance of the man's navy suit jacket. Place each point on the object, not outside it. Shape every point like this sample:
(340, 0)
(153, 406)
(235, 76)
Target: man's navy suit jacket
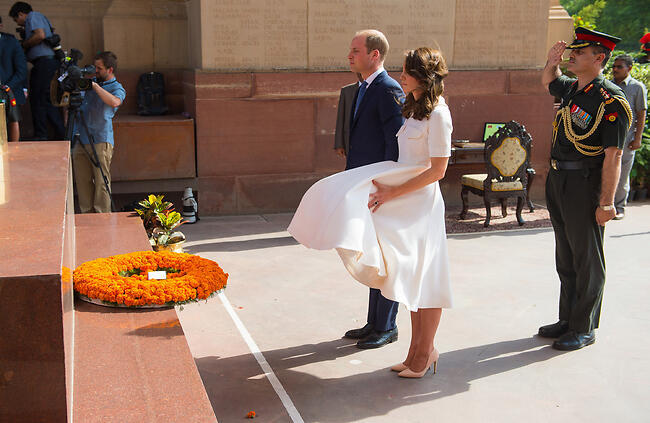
(373, 132)
(13, 66)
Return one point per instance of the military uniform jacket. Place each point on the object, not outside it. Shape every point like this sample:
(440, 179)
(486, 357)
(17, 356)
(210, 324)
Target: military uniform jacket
(589, 120)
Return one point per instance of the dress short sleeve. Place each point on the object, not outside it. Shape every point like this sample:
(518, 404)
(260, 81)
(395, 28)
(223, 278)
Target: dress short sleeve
(35, 21)
(440, 128)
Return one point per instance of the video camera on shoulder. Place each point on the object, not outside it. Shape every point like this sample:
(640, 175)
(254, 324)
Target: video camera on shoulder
(69, 80)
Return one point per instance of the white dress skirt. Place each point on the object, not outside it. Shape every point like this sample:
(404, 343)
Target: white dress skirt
(400, 249)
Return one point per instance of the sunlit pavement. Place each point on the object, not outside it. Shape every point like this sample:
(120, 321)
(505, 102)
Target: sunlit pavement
(293, 304)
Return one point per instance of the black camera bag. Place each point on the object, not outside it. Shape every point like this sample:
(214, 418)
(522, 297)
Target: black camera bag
(151, 94)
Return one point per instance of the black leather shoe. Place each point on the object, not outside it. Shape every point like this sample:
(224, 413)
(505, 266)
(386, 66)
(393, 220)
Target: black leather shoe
(378, 339)
(359, 333)
(574, 341)
(555, 330)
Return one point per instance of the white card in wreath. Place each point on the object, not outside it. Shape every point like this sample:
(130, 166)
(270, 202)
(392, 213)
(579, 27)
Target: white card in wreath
(158, 274)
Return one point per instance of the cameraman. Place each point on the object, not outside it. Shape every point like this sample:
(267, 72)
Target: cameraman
(34, 29)
(97, 111)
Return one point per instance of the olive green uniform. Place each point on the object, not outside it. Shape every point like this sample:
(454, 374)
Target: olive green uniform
(588, 121)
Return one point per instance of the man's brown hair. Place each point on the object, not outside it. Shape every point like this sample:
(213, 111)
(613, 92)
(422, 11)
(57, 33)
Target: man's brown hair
(375, 40)
(108, 58)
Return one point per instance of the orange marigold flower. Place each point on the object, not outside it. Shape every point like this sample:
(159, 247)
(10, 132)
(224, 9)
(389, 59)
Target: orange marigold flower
(197, 277)
(251, 415)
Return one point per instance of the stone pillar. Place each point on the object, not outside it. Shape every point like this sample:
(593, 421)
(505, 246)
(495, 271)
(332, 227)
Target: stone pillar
(560, 25)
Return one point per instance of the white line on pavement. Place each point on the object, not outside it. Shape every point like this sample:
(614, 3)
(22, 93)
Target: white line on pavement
(266, 368)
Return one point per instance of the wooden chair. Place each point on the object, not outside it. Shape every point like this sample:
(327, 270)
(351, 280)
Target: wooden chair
(507, 157)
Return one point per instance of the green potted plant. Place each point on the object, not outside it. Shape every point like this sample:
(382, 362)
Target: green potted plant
(149, 209)
(164, 237)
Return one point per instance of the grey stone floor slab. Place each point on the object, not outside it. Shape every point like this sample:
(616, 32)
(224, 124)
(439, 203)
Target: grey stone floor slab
(296, 303)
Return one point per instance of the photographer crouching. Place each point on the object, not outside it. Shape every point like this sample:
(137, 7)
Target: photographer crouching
(96, 125)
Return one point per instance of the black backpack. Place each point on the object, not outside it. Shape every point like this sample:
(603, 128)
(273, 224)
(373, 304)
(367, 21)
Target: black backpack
(151, 94)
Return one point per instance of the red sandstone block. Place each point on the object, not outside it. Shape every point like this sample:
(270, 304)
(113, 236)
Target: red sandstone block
(326, 159)
(273, 193)
(212, 85)
(526, 82)
(255, 137)
(326, 110)
(296, 84)
(217, 195)
(469, 113)
(143, 144)
(476, 83)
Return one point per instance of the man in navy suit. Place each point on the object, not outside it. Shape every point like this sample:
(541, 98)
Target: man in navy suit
(376, 117)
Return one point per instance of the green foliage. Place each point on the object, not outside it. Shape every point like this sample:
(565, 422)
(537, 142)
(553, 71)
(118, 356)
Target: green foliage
(168, 220)
(129, 273)
(626, 19)
(574, 6)
(579, 21)
(150, 207)
(640, 173)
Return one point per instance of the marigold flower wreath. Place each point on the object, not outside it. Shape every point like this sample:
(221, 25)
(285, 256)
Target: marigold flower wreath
(122, 280)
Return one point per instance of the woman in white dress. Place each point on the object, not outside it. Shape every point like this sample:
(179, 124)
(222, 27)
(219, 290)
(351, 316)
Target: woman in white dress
(386, 219)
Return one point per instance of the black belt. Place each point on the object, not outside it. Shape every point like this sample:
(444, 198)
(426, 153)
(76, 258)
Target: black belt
(39, 58)
(574, 164)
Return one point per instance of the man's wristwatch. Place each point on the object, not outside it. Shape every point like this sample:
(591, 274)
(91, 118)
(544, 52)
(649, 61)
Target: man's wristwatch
(607, 207)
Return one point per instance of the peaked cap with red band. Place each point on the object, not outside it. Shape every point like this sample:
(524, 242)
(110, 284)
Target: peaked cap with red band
(645, 40)
(586, 37)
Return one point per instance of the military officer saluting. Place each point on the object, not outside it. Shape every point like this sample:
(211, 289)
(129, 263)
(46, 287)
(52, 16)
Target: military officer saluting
(588, 136)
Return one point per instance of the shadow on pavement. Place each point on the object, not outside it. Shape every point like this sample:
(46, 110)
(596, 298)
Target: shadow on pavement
(246, 245)
(359, 396)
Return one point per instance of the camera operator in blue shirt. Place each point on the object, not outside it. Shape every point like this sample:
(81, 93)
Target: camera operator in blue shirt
(96, 121)
(35, 30)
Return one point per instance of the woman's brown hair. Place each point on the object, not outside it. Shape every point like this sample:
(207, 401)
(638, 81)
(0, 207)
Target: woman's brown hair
(428, 67)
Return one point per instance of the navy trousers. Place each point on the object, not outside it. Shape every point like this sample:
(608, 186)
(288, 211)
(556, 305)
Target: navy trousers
(382, 312)
(39, 99)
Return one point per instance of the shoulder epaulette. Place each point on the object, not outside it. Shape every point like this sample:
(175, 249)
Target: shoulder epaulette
(605, 94)
(626, 107)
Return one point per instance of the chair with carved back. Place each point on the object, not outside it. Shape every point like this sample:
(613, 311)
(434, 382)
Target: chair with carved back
(507, 157)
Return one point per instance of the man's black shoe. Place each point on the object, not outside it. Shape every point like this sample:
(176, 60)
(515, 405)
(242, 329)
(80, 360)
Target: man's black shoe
(620, 215)
(555, 330)
(378, 339)
(574, 341)
(360, 333)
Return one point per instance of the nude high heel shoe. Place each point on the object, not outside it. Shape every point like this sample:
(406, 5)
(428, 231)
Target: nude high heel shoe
(399, 367)
(433, 360)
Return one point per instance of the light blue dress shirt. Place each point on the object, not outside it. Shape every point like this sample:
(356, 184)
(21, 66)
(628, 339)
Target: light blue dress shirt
(99, 115)
(34, 21)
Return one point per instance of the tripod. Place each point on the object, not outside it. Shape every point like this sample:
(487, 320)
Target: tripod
(74, 115)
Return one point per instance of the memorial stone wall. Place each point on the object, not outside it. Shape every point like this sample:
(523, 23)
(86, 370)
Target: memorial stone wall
(261, 78)
(315, 34)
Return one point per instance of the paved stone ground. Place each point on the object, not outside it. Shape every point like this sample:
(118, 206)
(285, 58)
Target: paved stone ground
(296, 303)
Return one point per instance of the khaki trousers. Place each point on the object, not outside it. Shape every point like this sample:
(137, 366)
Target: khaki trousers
(92, 194)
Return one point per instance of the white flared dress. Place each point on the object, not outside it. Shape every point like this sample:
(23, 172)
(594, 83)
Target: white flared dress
(400, 249)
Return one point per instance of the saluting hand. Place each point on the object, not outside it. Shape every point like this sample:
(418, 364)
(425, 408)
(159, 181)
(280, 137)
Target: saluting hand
(556, 52)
